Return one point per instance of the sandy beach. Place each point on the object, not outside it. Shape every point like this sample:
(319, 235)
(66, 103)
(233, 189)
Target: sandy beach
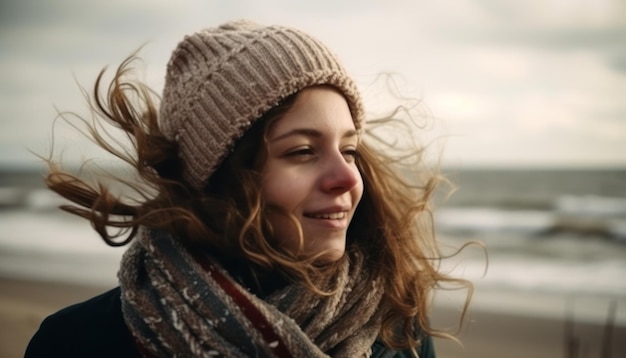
(24, 304)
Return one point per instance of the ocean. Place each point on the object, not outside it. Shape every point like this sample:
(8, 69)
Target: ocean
(555, 240)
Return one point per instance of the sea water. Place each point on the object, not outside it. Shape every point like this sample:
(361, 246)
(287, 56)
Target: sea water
(554, 239)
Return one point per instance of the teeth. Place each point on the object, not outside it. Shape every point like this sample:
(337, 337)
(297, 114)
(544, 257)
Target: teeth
(331, 216)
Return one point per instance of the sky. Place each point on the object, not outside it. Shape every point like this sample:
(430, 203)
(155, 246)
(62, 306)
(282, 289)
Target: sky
(502, 83)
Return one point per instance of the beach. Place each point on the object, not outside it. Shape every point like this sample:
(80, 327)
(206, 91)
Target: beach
(24, 304)
(556, 244)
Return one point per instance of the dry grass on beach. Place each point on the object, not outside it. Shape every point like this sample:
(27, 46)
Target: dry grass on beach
(24, 304)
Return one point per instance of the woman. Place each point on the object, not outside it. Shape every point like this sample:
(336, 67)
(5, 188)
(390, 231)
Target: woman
(267, 224)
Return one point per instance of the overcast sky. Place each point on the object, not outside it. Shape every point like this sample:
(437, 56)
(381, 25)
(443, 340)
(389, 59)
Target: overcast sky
(514, 83)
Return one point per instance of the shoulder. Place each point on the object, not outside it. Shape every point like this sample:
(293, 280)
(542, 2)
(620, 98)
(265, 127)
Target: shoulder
(93, 328)
(426, 350)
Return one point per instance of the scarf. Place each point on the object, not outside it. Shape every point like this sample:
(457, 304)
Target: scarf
(179, 304)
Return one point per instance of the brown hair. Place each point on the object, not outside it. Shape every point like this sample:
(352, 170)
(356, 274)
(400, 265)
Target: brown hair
(392, 223)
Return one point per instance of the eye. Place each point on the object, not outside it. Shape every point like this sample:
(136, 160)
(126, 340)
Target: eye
(350, 154)
(302, 152)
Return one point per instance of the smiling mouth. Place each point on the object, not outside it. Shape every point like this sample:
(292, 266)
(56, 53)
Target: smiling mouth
(328, 216)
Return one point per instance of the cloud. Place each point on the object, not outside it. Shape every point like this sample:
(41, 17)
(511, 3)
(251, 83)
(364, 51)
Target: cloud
(496, 74)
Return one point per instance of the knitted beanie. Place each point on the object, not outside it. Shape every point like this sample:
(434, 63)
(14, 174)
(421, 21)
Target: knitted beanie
(219, 81)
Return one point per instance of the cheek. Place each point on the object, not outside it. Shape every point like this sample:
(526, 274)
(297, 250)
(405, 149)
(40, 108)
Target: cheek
(284, 193)
(272, 193)
(282, 190)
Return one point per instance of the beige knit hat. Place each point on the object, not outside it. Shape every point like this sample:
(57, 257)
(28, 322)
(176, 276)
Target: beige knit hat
(220, 80)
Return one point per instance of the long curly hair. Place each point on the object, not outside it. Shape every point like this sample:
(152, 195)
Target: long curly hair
(392, 224)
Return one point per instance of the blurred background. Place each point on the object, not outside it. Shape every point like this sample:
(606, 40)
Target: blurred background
(524, 99)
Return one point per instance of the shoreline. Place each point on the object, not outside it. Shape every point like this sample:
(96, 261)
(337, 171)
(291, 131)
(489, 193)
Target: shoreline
(579, 307)
(489, 333)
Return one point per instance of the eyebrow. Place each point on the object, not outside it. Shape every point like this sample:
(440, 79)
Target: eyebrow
(309, 132)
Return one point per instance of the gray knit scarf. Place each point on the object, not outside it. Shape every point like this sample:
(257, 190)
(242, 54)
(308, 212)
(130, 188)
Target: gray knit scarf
(178, 304)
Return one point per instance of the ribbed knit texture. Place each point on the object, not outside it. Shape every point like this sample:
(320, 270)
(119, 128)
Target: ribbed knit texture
(220, 80)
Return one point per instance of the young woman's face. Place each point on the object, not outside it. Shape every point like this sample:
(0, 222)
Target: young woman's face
(311, 173)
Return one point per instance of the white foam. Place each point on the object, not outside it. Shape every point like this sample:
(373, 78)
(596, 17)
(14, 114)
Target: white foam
(477, 219)
(593, 205)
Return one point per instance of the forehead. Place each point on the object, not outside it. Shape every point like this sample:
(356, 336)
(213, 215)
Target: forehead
(319, 107)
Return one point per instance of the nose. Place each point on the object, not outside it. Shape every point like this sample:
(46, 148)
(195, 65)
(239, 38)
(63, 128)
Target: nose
(339, 175)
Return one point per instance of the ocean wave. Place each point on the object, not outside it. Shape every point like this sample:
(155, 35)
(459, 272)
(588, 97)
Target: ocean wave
(591, 205)
(29, 199)
(602, 218)
(480, 219)
(41, 244)
(12, 197)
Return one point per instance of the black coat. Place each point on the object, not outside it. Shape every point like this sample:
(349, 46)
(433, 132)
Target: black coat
(96, 328)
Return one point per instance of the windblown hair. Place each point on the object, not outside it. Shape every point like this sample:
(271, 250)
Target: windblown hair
(392, 224)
